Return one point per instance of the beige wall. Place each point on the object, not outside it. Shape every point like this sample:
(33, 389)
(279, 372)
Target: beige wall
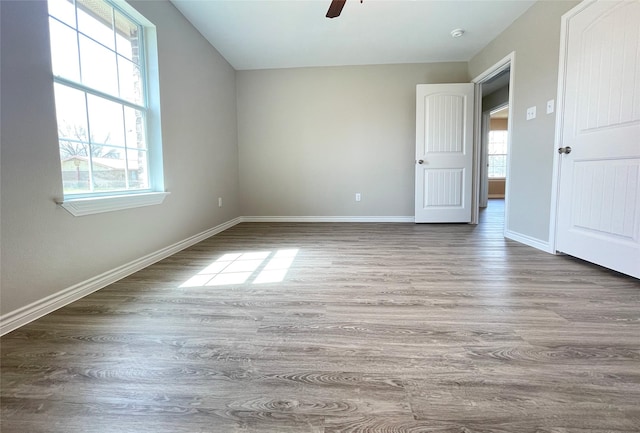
(310, 138)
(498, 124)
(496, 188)
(535, 38)
(495, 99)
(44, 248)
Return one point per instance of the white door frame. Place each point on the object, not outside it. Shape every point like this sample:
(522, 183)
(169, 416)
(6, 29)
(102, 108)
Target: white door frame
(508, 61)
(484, 153)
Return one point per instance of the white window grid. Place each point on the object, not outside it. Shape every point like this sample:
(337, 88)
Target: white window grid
(87, 90)
(497, 159)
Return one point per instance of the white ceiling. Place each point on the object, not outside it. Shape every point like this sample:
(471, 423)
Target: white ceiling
(265, 34)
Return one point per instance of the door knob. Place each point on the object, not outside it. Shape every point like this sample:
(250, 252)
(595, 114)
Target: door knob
(566, 150)
(421, 161)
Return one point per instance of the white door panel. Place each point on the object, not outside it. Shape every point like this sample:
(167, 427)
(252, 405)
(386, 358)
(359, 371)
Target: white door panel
(444, 152)
(599, 184)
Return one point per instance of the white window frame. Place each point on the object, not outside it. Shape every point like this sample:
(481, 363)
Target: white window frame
(92, 203)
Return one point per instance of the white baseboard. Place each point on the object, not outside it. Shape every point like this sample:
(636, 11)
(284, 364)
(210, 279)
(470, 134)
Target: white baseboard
(35, 310)
(528, 240)
(326, 219)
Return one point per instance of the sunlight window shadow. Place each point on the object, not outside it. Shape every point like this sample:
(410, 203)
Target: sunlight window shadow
(277, 268)
(237, 268)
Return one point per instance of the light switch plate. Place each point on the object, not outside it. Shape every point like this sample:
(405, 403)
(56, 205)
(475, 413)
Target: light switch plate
(550, 106)
(531, 113)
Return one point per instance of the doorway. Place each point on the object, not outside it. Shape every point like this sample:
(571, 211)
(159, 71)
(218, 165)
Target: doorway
(494, 106)
(497, 152)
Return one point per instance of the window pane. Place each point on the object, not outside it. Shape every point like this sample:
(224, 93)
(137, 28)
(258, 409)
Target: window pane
(73, 150)
(127, 37)
(98, 66)
(109, 168)
(497, 165)
(75, 167)
(105, 121)
(497, 142)
(64, 51)
(63, 10)
(134, 126)
(95, 19)
(498, 153)
(115, 155)
(138, 169)
(71, 113)
(130, 81)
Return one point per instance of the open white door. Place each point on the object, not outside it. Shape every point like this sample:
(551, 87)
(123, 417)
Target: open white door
(598, 214)
(444, 152)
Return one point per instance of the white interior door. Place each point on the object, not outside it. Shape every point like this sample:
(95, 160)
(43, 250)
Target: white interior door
(444, 152)
(599, 180)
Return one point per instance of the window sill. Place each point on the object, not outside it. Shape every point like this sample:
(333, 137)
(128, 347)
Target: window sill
(94, 205)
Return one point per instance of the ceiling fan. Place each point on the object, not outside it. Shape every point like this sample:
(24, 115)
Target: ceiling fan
(336, 7)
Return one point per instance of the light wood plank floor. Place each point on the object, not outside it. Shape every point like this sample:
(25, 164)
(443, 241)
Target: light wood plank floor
(374, 328)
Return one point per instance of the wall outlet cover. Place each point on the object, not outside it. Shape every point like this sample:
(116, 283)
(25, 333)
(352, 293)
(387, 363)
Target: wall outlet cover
(531, 113)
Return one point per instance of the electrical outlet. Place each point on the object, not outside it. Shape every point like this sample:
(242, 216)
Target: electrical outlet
(358, 196)
(550, 106)
(219, 201)
(531, 113)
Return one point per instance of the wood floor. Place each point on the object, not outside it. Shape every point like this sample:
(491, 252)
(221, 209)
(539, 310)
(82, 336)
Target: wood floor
(373, 328)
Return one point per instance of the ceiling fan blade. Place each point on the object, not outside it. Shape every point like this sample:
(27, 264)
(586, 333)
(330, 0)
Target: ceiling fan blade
(335, 8)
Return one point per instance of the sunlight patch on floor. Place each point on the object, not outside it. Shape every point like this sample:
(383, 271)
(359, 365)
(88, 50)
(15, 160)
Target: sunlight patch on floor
(238, 268)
